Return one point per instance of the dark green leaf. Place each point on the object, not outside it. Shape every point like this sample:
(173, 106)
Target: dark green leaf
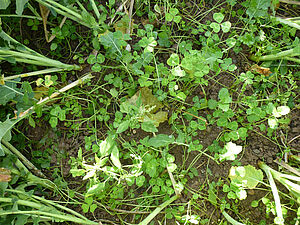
(161, 140)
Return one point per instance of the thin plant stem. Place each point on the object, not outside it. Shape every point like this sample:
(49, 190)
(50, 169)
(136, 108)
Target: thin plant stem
(158, 210)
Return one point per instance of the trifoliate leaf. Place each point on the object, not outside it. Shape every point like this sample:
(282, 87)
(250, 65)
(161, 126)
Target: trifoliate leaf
(231, 151)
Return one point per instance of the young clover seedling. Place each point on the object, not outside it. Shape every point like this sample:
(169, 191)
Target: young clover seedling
(218, 25)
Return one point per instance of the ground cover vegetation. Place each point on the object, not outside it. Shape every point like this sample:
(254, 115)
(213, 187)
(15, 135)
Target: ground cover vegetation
(149, 112)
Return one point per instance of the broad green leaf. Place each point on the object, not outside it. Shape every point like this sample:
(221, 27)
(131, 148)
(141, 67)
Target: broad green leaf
(245, 176)
(20, 6)
(4, 4)
(106, 146)
(173, 60)
(115, 157)
(218, 17)
(161, 140)
(148, 126)
(257, 8)
(8, 91)
(5, 128)
(93, 207)
(85, 208)
(96, 189)
(231, 151)
(123, 126)
(114, 42)
(151, 167)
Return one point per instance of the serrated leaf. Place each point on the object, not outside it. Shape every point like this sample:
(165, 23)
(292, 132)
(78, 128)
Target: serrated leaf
(115, 157)
(161, 140)
(245, 176)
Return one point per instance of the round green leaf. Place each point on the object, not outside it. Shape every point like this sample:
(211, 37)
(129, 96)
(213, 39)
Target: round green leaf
(218, 17)
(226, 26)
(215, 26)
(173, 60)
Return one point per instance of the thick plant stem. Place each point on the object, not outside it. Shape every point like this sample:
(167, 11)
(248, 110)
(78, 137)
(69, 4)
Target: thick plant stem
(64, 89)
(280, 55)
(274, 189)
(230, 219)
(25, 161)
(34, 73)
(51, 215)
(157, 210)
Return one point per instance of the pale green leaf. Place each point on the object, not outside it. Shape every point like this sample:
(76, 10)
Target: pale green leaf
(123, 126)
(148, 126)
(173, 60)
(245, 176)
(218, 17)
(273, 122)
(161, 140)
(96, 189)
(115, 157)
(20, 6)
(231, 151)
(5, 128)
(4, 4)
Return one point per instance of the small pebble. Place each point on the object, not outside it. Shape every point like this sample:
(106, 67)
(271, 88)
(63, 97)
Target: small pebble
(256, 151)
